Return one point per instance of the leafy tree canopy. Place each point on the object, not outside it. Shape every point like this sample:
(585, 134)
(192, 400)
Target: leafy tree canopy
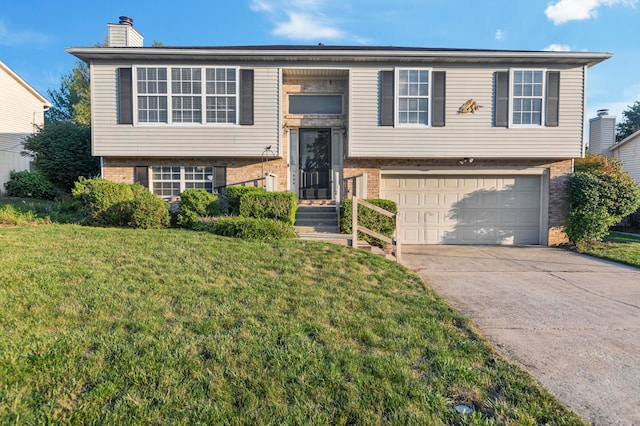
(61, 151)
(72, 101)
(630, 123)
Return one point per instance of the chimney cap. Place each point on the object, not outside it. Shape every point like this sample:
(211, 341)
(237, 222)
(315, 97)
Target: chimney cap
(603, 112)
(125, 20)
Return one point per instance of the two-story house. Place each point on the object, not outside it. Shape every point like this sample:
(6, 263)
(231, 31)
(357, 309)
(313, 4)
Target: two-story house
(475, 146)
(21, 114)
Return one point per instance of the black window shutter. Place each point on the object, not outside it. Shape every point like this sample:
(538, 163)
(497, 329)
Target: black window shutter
(246, 97)
(439, 95)
(125, 96)
(553, 99)
(142, 176)
(386, 98)
(502, 99)
(220, 179)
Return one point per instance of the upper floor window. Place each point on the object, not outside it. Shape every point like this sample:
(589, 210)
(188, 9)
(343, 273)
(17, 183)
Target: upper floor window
(413, 96)
(186, 99)
(152, 95)
(221, 95)
(183, 86)
(527, 97)
(315, 104)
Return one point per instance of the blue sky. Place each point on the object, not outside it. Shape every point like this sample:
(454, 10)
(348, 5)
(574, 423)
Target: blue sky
(34, 33)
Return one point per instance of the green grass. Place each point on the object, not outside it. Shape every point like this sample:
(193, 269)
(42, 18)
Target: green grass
(31, 211)
(117, 326)
(623, 248)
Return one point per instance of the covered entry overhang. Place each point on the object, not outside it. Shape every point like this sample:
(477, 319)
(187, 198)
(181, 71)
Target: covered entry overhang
(469, 205)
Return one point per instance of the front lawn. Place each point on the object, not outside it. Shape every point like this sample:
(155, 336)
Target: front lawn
(119, 326)
(623, 248)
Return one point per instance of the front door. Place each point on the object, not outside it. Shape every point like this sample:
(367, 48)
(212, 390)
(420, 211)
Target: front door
(315, 164)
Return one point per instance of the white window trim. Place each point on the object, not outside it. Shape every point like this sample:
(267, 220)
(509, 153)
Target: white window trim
(183, 180)
(170, 94)
(396, 96)
(544, 98)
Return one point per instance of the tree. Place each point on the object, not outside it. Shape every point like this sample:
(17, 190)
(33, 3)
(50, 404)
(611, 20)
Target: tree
(72, 101)
(61, 151)
(600, 195)
(630, 123)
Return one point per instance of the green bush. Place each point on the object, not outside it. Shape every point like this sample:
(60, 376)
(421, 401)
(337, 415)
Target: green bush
(148, 211)
(600, 195)
(233, 194)
(30, 184)
(247, 228)
(107, 203)
(270, 205)
(194, 204)
(369, 219)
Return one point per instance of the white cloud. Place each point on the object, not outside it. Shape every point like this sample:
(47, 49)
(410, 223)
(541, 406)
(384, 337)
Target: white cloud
(260, 6)
(579, 10)
(501, 35)
(303, 26)
(9, 37)
(303, 20)
(557, 48)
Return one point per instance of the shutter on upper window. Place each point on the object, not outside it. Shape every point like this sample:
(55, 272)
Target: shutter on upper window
(386, 98)
(502, 99)
(125, 96)
(246, 97)
(142, 175)
(553, 99)
(438, 102)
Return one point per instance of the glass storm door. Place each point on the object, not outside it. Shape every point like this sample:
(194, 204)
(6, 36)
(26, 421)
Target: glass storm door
(315, 164)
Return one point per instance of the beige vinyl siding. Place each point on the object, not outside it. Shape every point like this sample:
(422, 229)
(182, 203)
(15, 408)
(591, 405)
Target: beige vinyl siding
(183, 140)
(629, 155)
(20, 113)
(465, 135)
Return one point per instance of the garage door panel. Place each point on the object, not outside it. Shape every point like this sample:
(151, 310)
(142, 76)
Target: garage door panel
(467, 210)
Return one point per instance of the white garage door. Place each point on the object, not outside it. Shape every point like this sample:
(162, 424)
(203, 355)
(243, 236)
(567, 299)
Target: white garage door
(466, 210)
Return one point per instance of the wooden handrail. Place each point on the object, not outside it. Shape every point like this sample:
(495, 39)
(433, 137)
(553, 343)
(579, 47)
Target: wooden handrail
(355, 227)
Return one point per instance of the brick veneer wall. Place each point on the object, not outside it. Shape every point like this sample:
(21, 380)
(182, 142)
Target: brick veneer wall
(558, 182)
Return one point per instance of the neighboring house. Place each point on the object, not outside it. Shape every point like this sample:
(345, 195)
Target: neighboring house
(602, 141)
(475, 146)
(21, 114)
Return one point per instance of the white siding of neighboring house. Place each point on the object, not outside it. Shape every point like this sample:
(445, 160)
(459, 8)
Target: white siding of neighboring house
(465, 135)
(19, 110)
(182, 140)
(629, 154)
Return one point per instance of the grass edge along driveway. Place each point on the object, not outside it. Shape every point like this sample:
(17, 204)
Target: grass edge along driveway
(171, 326)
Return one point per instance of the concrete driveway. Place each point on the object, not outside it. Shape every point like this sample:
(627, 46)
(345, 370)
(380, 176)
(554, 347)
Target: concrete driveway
(570, 320)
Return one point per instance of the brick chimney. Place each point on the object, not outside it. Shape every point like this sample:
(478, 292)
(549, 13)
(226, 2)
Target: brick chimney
(123, 34)
(602, 133)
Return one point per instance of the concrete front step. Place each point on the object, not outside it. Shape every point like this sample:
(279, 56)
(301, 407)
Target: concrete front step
(331, 229)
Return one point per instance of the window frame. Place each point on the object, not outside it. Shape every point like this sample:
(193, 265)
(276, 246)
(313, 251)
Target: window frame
(397, 97)
(542, 97)
(182, 181)
(170, 95)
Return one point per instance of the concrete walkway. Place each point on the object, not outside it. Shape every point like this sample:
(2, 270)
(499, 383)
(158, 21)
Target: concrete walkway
(570, 320)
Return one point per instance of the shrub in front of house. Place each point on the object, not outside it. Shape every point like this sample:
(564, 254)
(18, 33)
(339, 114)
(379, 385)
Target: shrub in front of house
(270, 205)
(148, 211)
(194, 204)
(600, 195)
(107, 203)
(370, 219)
(233, 194)
(247, 228)
(30, 184)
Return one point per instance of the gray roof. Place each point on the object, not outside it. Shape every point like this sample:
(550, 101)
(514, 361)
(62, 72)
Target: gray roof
(334, 54)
